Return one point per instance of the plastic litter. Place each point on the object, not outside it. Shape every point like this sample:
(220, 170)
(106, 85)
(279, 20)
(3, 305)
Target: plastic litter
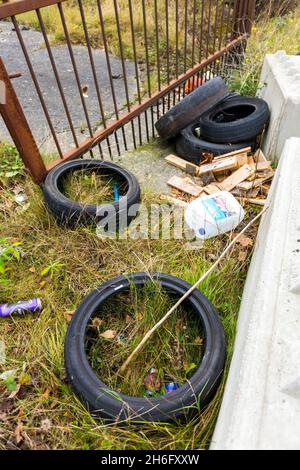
(21, 307)
(213, 215)
(152, 382)
(171, 387)
(116, 192)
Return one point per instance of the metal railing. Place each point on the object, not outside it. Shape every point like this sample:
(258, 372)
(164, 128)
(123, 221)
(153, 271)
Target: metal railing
(164, 49)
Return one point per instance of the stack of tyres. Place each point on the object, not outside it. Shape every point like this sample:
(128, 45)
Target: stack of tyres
(215, 124)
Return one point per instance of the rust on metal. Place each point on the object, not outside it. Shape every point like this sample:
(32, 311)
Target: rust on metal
(15, 7)
(212, 33)
(16, 122)
(15, 75)
(56, 74)
(36, 84)
(139, 108)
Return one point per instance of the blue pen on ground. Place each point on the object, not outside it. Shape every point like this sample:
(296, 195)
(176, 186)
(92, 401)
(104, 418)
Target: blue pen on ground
(116, 192)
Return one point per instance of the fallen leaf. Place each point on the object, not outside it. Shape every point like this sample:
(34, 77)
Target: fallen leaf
(69, 314)
(108, 334)
(129, 319)
(18, 432)
(139, 316)
(8, 203)
(242, 255)
(45, 395)
(32, 269)
(198, 341)
(245, 241)
(97, 322)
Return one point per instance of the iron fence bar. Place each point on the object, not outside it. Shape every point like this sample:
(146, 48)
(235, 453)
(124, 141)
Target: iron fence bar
(16, 122)
(135, 65)
(56, 74)
(221, 25)
(90, 52)
(109, 71)
(147, 66)
(230, 18)
(70, 49)
(16, 7)
(157, 51)
(201, 37)
(176, 47)
(251, 15)
(193, 33)
(208, 28)
(123, 66)
(36, 84)
(241, 16)
(139, 108)
(185, 32)
(167, 47)
(216, 24)
(176, 39)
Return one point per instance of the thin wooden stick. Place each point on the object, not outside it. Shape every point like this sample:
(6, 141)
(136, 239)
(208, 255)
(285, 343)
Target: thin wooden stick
(188, 292)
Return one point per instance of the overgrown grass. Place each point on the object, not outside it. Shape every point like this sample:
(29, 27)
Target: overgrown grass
(179, 40)
(53, 24)
(174, 350)
(92, 188)
(61, 266)
(268, 36)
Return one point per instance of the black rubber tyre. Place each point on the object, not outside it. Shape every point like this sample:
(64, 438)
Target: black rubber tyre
(191, 107)
(113, 406)
(191, 148)
(237, 119)
(71, 213)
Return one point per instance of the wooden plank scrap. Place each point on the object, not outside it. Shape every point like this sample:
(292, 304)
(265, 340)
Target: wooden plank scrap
(247, 185)
(236, 178)
(185, 186)
(258, 202)
(211, 189)
(182, 164)
(234, 153)
(219, 166)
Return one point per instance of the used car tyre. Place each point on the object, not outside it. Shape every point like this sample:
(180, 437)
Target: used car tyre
(191, 107)
(236, 119)
(192, 148)
(71, 213)
(114, 406)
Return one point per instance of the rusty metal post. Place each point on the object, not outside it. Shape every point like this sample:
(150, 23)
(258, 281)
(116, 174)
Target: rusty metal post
(250, 15)
(18, 127)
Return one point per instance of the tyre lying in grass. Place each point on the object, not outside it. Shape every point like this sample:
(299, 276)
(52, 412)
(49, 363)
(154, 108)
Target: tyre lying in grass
(108, 402)
(81, 192)
(192, 148)
(190, 107)
(236, 119)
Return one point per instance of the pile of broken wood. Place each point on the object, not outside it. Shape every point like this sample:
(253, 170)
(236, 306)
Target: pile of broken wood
(247, 176)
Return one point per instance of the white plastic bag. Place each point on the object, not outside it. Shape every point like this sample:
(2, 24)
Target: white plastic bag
(213, 215)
